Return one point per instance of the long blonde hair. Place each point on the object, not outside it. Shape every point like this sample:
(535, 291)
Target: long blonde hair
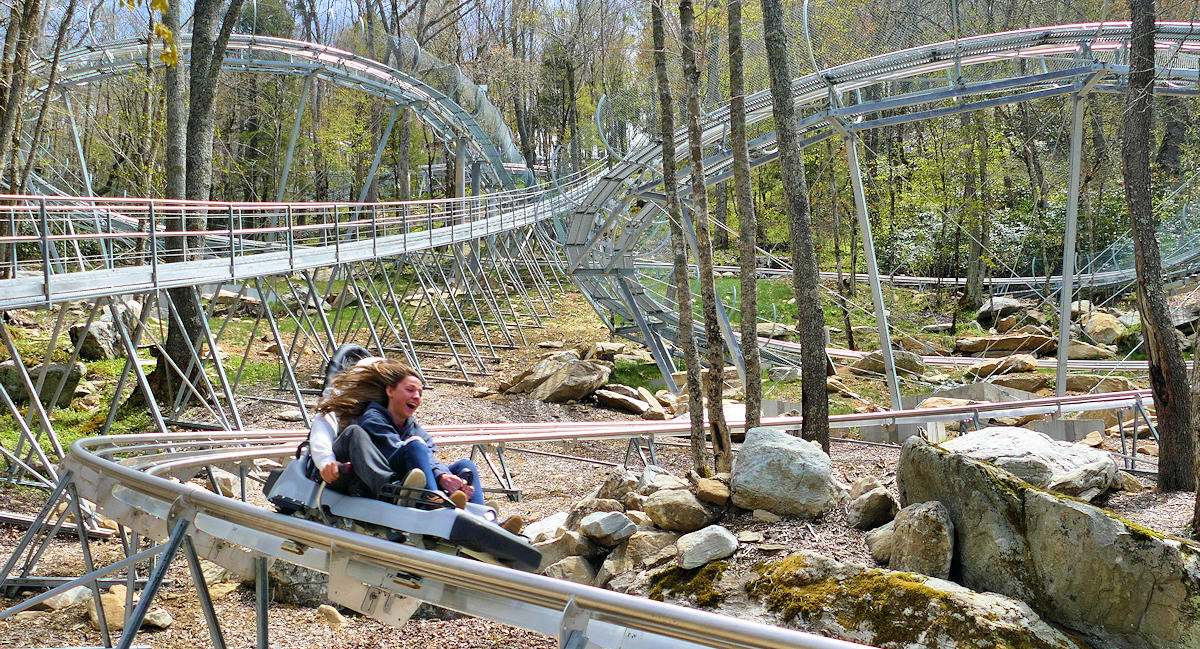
(362, 384)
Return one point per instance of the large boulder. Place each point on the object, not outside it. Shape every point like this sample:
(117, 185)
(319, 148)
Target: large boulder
(1065, 467)
(895, 609)
(1081, 351)
(1003, 365)
(1116, 584)
(532, 377)
(617, 483)
(1097, 383)
(618, 401)
(1024, 382)
(567, 544)
(10, 377)
(1035, 343)
(96, 341)
(576, 569)
(782, 474)
(705, 545)
(923, 540)
(995, 308)
(1103, 328)
(677, 510)
(906, 363)
(572, 381)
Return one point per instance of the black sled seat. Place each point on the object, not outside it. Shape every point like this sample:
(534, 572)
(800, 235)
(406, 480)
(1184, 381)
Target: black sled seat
(292, 492)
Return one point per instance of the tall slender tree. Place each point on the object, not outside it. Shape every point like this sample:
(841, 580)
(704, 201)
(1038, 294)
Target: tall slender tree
(813, 361)
(189, 169)
(1168, 374)
(747, 219)
(680, 275)
(714, 347)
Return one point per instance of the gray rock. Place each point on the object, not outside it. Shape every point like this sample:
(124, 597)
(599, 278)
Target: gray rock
(879, 542)
(617, 483)
(995, 308)
(68, 598)
(863, 485)
(923, 540)
(905, 361)
(1072, 469)
(1116, 585)
(294, 584)
(11, 379)
(937, 328)
(576, 569)
(547, 528)
(705, 545)
(96, 341)
(544, 369)
(624, 403)
(655, 478)
(621, 388)
(607, 528)
(871, 509)
(572, 382)
(784, 374)
(677, 510)
(567, 544)
(890, 609)
(782, 474)
(588, 506)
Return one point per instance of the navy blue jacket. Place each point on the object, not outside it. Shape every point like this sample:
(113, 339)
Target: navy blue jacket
(378, 423)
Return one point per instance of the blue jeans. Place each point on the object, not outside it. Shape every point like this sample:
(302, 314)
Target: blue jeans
(414, 454)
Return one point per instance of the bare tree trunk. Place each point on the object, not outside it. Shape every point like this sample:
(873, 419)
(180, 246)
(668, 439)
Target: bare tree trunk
(973, 295)
(26, 40)
(1175, 123)
(715, 342)
(683, 290)
(813, 361)
(747, 219)
(721, 216)
(1168, 375)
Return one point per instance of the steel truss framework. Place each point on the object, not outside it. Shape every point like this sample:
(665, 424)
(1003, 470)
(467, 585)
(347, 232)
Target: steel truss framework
(618, 229)
(271, 55)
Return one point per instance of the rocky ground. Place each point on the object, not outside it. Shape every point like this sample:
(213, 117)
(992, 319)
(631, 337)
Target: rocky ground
(549, 484)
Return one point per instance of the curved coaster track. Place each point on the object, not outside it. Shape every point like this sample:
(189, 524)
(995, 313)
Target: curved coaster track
(445, 283)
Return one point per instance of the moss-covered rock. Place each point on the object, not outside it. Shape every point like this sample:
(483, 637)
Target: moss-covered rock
(890, 609)
(1112, 582)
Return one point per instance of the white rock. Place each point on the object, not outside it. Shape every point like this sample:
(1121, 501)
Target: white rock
(705, 545)
(782, 474)
(547, 528)
(1072, 469)
(69, 597)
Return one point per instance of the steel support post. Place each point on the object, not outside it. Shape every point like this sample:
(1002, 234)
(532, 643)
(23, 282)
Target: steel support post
(383, 140)
(460, 168)
(86, 550)
(1068, 264)
(662, 357)
(864, 225)
(156, 578)
(291, 147)
(262, 599)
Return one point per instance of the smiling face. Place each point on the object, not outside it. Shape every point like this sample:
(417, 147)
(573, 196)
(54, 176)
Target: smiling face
(404, 398)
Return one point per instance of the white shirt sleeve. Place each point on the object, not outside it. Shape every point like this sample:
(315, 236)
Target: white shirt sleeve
(320, 439)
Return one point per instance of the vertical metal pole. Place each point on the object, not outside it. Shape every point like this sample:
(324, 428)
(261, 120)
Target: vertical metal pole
(291, 149)
(864, 225)
(476, 177)
(460, 168)
(262, 597)
(387, 132)
(1068, 265)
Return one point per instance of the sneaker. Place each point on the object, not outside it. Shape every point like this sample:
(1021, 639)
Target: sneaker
(415, 479)
(513, 524)
(459, 499)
